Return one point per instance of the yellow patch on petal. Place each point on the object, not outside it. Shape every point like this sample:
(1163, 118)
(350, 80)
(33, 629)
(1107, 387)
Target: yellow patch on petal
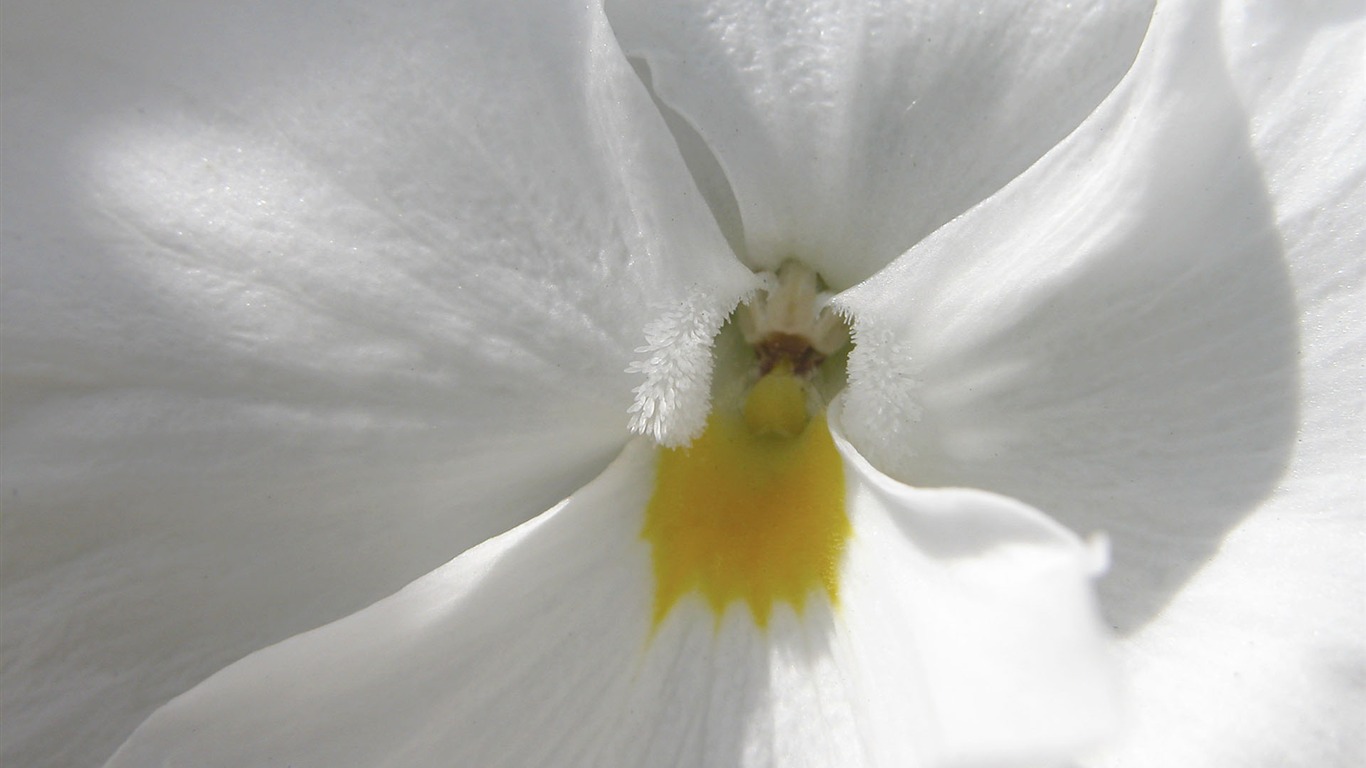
(753, 510)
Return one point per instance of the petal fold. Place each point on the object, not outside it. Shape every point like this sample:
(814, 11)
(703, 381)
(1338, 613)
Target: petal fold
(972, 620)
(849, 130)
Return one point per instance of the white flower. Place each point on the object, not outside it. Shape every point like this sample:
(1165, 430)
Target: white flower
(300, 302)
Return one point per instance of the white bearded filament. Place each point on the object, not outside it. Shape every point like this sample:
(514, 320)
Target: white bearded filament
(672, 404)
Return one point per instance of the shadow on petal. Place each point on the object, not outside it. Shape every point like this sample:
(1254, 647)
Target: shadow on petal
(1161, 421)
(1112, 339)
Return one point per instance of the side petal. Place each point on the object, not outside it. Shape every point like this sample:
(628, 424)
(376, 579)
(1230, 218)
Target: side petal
(849, 130)
(967, 634)
(298, 304)
(1113, 338)
(1157, 331)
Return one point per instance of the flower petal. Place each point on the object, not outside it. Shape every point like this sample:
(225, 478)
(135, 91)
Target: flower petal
(1112, 338)
(967, 632)
(299, 302)
(1266, 642)
(973, 614)
(1157, 331)
(849, 130)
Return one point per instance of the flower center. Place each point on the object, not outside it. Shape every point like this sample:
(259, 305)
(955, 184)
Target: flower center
(753, 510)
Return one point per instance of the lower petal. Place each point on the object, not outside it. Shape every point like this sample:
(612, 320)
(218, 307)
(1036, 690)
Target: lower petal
(965, 632)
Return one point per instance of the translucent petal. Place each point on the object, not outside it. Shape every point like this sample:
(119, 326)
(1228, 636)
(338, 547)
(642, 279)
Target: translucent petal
(849, 130)
(300, 302)
(966, 633)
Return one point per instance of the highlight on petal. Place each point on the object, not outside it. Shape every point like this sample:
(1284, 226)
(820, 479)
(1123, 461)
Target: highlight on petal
(300, 302)
(848, 130)
(965, 633)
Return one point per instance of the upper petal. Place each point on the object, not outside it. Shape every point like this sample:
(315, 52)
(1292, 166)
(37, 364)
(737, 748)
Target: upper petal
(298, 303)
(848, 130)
